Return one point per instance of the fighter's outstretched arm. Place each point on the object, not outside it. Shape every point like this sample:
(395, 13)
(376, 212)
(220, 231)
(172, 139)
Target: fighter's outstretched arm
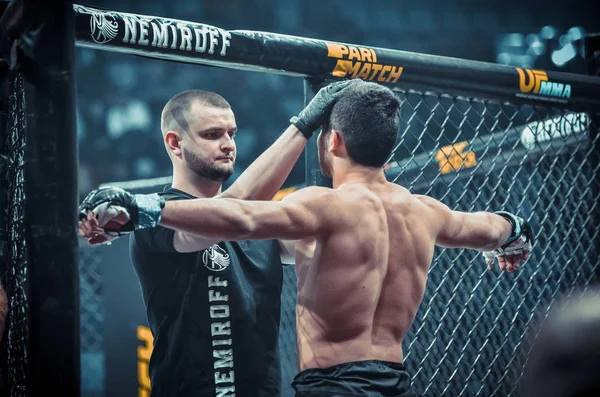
(309, 212)
(474, 230)
(500, 235)
(300, 215)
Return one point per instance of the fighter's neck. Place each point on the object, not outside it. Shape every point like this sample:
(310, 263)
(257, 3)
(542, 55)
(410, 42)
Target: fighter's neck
(198, 186)
(358, 174)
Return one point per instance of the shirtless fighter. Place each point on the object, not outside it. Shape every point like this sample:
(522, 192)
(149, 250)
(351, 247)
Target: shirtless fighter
(364, 247)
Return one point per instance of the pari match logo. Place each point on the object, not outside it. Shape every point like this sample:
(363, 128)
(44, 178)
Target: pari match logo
(361, 62)
(535, 84)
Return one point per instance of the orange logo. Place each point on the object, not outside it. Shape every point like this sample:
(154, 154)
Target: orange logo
(452, 158)
(361, 62)
(536, 82)
(143, 352)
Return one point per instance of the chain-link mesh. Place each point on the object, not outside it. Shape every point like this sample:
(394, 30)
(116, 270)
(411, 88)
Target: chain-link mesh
(91, 323)
(16, 280)
(287, 331)
(469, 336)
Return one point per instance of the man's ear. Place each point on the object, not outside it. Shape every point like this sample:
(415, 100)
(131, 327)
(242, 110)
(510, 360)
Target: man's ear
(173, 143)
(336, 142)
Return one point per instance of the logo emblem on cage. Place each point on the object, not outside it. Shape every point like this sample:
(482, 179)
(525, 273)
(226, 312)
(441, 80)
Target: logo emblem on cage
(362, 63)
(536, 82)
(215, 258)
(454, 157)
(103, 26)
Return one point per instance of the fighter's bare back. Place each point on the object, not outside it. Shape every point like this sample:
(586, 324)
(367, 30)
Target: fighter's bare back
(360, 285)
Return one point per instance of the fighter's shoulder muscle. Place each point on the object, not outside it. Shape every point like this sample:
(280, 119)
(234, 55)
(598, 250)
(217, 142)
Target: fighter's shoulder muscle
(311, 195)
(436, 212)
(322, 202)
(431, 203)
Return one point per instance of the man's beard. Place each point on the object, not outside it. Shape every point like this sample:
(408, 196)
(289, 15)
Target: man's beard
(205, 170)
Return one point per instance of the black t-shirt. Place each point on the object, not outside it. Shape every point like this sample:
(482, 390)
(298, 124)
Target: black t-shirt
(214, 314)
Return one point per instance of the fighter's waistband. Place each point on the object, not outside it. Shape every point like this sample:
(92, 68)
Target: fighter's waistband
(357, 378)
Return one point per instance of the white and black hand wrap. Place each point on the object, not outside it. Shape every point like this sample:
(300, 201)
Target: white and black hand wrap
(520, 240)
(144, 210)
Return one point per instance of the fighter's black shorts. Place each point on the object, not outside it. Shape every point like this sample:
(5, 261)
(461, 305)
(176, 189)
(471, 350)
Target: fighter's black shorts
(358, 378)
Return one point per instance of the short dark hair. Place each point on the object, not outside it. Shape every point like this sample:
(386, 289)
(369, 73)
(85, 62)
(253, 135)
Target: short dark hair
(367, 116)
(175, 112)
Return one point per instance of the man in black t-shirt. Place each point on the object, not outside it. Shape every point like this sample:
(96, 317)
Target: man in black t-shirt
(213, 306)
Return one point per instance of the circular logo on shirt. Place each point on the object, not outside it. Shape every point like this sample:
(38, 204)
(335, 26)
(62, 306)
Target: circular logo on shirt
(215, 258)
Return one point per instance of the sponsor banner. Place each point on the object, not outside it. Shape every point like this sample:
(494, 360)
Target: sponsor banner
(191, 42)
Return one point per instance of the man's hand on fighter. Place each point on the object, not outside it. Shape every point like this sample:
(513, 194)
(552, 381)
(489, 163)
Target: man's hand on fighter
(108, 213)
(312, 117)
(517, 249)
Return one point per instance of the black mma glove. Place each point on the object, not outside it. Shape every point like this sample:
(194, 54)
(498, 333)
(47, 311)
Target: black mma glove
(520, 241)
(316, 112)
(143, 210)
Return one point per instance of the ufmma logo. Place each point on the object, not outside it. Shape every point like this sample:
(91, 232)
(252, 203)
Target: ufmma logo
(215, 258)
(536, 82)
(103, 26)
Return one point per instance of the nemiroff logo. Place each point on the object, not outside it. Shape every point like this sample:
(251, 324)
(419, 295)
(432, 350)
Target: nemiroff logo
(361, 62)
(156, 32)
(534, 83)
